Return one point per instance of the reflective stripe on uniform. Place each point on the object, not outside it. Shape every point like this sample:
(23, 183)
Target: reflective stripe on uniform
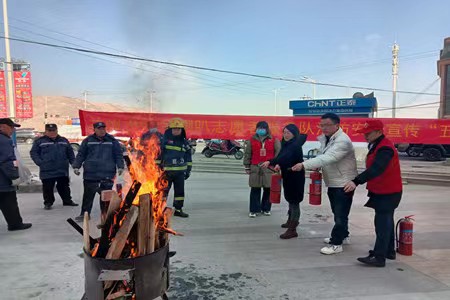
(158, 161)
(179, 198)
(189, 163)
(181, 168)
(175, 148)
(43, 144)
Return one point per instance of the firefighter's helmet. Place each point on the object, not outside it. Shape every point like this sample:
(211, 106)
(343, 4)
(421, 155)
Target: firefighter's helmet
(176, 123)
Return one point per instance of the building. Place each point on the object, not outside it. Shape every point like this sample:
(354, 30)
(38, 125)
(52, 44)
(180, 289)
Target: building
(443, 66)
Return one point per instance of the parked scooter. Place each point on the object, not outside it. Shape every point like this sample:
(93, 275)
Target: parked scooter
(225, 147)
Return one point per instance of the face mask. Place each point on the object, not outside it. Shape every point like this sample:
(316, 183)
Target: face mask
(261, 131)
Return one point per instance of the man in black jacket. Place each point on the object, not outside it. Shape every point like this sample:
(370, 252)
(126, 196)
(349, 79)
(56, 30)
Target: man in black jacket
(101, 156)
(8, 172)
(53, 153)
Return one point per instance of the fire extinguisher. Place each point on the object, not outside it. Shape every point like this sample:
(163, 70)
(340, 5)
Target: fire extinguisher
(275, 187)
(315, 188)
(405, 239)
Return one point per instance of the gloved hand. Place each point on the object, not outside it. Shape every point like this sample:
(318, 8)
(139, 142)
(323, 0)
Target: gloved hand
(187, 175)
(77, 172)
(120, 172)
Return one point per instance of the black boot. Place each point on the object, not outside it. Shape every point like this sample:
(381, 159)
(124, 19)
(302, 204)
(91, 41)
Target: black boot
(22, 226)
(180, 213)
(291, 232)
(391, 256)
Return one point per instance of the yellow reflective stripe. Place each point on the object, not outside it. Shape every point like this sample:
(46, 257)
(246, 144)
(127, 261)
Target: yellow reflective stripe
(157, 161)
(182, 168)
(189, 163)
(175, 148)
(179, 198)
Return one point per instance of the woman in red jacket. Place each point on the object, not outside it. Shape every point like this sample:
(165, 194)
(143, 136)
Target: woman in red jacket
(259, 148)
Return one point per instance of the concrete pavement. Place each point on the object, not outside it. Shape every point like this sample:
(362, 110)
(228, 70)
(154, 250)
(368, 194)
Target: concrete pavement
(226, 255)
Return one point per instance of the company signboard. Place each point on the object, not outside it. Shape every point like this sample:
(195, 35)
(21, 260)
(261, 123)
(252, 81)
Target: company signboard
(22, 91)
(3, 100)
(347, 106)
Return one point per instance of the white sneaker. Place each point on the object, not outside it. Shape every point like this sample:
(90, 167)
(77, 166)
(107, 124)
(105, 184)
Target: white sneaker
(252, 215)
(332, 249)
(346, 241)
(266, 213)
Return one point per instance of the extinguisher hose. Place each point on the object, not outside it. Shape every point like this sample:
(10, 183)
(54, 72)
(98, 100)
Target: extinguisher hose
(396, 232)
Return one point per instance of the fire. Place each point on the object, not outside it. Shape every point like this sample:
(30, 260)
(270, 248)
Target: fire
(145, 168)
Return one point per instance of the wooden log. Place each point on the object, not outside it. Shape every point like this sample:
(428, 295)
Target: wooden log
(86, 237)
(143, 224)
(121, 237)
(105, 199)
(113, 205)
(111, 227)
(152, 231)
(119, 189)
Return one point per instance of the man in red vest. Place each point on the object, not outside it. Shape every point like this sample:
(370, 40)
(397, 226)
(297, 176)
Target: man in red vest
(384, 183)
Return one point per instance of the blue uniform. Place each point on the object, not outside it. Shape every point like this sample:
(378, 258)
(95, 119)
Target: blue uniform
(53, 156)
(99, 157)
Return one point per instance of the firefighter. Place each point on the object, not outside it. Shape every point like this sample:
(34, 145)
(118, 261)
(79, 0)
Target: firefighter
(9, 171)
(101, 156)
(176, 162)
(384, 183)
(53, 153)
(146, 137)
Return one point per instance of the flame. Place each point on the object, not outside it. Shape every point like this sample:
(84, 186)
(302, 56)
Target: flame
(145, 169)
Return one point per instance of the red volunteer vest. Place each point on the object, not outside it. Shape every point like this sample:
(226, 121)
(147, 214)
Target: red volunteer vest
(390, 181)
(268, 144)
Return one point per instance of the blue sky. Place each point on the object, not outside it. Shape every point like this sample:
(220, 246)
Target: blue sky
(344, 42)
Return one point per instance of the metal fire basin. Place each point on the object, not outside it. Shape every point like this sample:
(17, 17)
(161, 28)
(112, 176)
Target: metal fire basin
(149, 272)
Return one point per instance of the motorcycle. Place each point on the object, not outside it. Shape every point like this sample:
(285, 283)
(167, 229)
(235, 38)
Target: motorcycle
(225, 147)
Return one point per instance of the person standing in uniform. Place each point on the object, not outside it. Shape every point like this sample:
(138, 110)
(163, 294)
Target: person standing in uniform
(101, 156)
(9, 171)
(384, 185)
(293, 182)
(176, 162)
(53, 154)
(261, 147)
(338, 162)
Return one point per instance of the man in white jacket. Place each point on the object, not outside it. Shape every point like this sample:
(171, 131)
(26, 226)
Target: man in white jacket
(338, 163)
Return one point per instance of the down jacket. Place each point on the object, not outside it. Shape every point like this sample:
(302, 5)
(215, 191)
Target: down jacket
(337, 160)
(8, 165)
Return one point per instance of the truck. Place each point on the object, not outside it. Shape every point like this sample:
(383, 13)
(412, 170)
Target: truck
(430, 152)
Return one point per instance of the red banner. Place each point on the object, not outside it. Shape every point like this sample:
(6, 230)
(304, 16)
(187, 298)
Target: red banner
(420, 131)
(3, 101)
(23, 95)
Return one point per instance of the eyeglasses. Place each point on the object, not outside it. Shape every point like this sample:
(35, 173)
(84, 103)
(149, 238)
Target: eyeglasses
(325, 125)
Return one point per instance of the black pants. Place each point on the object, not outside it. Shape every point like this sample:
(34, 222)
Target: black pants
(256, 204)
(177, 179)
(91, 187)
(384, 229)
(294, 212)
(62, 186)
(10, 208)
(340, 202)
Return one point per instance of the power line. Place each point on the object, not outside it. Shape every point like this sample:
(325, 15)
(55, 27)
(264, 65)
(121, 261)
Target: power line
(210, 69)
(409, 106)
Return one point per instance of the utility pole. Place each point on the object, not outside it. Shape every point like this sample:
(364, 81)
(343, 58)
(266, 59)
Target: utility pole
(12, 108)
(395, 49)
(85, 99)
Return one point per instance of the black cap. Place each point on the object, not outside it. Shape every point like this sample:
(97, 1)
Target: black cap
(99, 124)
(51, 127)
(9, 122)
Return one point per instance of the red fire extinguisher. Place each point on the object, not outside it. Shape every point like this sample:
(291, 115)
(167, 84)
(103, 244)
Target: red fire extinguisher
(405, 239)
(275, 188)
(315, 188)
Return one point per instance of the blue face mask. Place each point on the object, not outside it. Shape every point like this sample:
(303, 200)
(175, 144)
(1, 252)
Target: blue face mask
(261, 131)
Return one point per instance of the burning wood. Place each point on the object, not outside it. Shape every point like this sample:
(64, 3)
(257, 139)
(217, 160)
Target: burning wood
(133, 227)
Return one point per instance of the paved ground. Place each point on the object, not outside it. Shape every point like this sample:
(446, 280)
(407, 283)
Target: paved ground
(226, 255)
